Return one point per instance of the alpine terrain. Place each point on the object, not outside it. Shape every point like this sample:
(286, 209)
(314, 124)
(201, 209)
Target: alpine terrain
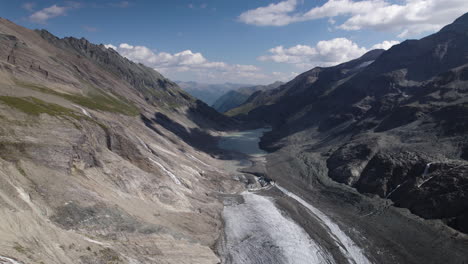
(105, 160)
(234, 98)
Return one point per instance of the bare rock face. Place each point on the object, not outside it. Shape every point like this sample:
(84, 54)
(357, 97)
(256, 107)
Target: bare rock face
(346, 164)
(439, 194)
(389, 172)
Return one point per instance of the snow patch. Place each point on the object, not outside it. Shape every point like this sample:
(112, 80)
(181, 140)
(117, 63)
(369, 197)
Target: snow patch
(173, 177)
(426, 169)
(23, 195)
(191, 170)
(422, 183)
(346, 245)
(396, 188)
(143, 143)
(86, 113)
(96, 242)
(164, 150)
(201, 162)
(6, 260)
(257, 232)
(363, 65)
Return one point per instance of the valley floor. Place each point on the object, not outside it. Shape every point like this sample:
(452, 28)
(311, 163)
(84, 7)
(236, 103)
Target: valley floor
(322, 224)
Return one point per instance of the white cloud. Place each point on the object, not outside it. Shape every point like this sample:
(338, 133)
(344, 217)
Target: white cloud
(271, 15)
(47, 13)
(110, 46)
(385, 44)
(324, 53)
(193, 64)
(408, 17)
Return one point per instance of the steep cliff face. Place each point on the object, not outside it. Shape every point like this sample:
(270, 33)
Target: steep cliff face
(92, 165)
(147, 82)
(391, 123)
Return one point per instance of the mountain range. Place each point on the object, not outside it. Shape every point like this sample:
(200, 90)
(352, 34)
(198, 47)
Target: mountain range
(208, 93)
(104, 160)
(391, 123)
(234, 98)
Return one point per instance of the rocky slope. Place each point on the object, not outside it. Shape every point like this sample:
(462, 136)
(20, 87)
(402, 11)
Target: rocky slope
(92, 165)
(234, 98)
(392, 124)
(288, 97)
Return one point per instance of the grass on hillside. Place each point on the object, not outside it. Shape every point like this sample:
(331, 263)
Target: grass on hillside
(34, 106)
(244, 109)
(96, 100)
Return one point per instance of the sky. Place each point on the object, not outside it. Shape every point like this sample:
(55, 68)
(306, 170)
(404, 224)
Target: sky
(241, 41)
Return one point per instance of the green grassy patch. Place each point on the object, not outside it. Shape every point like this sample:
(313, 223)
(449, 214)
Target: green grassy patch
(35, 107)
(20, 248)
(244, 109)
(95, 99)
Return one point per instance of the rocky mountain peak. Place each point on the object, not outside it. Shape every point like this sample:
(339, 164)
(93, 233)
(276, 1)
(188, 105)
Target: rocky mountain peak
(460, 25)
(372, 54)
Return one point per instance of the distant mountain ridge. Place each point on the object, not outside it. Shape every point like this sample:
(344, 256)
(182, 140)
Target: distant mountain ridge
(235, 98)
(208, 93)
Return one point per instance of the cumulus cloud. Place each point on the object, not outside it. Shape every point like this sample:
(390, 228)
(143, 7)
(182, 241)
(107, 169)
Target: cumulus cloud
(47, 13)
(408, 17)
(271, 15)
(385, 44)
(191, 62)
(110, 46)
(324, 53)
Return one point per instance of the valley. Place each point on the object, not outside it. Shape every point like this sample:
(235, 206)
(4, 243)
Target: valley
(105, 160)
(264, 223)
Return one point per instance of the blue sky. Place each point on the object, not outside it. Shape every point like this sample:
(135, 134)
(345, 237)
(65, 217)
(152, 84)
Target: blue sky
(242, 41)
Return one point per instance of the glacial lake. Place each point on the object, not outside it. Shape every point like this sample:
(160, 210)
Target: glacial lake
(244, 141)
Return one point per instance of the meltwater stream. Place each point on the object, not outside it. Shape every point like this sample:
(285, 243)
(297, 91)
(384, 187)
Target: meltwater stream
(256, 231)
